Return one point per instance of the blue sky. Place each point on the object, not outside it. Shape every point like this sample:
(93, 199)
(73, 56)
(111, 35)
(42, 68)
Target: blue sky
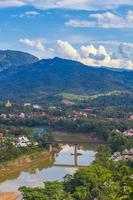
(95, 33)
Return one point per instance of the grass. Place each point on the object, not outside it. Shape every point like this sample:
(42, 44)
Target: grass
(75, 97)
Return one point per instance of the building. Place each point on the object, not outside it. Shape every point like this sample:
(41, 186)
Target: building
(67, 102)
(3, 116)
(23, 142)
(125, 155)
(128, 133)
(88, 110)
(8, 104)
(130, 117)
(2, 136)
(22, 115)
(27, 104)
(36, 106)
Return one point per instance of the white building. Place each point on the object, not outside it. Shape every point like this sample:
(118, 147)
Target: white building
(27, 104)
(23, 142)
(36, 106)
(22, 115)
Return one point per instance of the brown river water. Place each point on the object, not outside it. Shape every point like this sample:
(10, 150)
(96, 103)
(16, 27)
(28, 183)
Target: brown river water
(52, 167)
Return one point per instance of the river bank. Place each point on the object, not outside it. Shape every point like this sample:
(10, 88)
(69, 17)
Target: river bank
(27, 162)
(81, 137)
(33, 170)
(8, 196)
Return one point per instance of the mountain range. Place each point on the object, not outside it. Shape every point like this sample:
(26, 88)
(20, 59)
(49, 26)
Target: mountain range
(10, 58)
(24, 76)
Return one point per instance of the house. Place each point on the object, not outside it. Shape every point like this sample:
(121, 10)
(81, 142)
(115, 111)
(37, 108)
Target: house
(27, 104)
(2, 136)
(77, 115)
(3, 116)
(88, 110)
(36, 106)
(128, 133)
(23, 142)
(125, 155)
(67, 102)
(128, 154)
(130, 117)
(22, 115)
(11, 116)
(116, 156)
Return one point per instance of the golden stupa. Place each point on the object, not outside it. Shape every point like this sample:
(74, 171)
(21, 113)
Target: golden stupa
(8, 104)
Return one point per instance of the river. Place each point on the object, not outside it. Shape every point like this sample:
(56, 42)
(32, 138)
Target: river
(55, 167)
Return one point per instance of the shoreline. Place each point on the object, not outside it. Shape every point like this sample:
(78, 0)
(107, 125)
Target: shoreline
(79, 136)
(27, 162)
(9, 196)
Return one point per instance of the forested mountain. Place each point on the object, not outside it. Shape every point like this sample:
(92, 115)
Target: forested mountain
(54, 76)
(10, 58)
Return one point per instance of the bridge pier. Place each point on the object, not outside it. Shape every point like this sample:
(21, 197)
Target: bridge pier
(50, 148)
(76, 155)
(76, 149)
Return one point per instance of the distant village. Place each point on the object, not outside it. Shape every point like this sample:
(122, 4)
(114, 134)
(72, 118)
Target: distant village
(72, 115)
(37, 111)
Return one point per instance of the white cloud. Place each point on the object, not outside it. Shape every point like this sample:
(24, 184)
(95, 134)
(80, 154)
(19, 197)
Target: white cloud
(38, 48)
(99, 53)
(68, 4)
(90, 55)
(126, 49)
(130, 16)
(68, 50)
(105, 20)
(87, 54)
(78, 23)
(11, 3)
(38, 44)
(29, 14)
(79, 4)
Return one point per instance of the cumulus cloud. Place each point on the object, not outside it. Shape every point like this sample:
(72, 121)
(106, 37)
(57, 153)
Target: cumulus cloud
(38, 44)
(38, 47)
(105, 20)
(87, 54)
(68, 4)
(99, 53)
(67, 50)
(126, 49)
(93, 56)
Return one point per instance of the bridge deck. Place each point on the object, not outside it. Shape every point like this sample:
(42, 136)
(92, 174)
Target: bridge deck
(69, 166)
(75, 142)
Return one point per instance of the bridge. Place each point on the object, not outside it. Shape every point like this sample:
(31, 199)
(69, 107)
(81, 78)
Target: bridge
(75, 142)
(75, 154)
(69, 166)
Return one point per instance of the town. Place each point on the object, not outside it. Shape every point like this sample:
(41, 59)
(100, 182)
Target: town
(66, 116)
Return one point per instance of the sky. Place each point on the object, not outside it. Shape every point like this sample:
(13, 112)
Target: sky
(96, 33)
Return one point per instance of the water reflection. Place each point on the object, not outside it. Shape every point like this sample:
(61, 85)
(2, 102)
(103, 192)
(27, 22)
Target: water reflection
(55, 167)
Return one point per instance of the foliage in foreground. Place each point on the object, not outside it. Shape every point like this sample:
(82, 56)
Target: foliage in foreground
(110, 182)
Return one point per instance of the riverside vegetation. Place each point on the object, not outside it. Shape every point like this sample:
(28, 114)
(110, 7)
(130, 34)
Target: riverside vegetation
(104, 179)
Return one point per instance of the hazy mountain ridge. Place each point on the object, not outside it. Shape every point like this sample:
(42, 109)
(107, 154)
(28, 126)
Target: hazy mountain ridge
(11, 58)
(53, 76)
